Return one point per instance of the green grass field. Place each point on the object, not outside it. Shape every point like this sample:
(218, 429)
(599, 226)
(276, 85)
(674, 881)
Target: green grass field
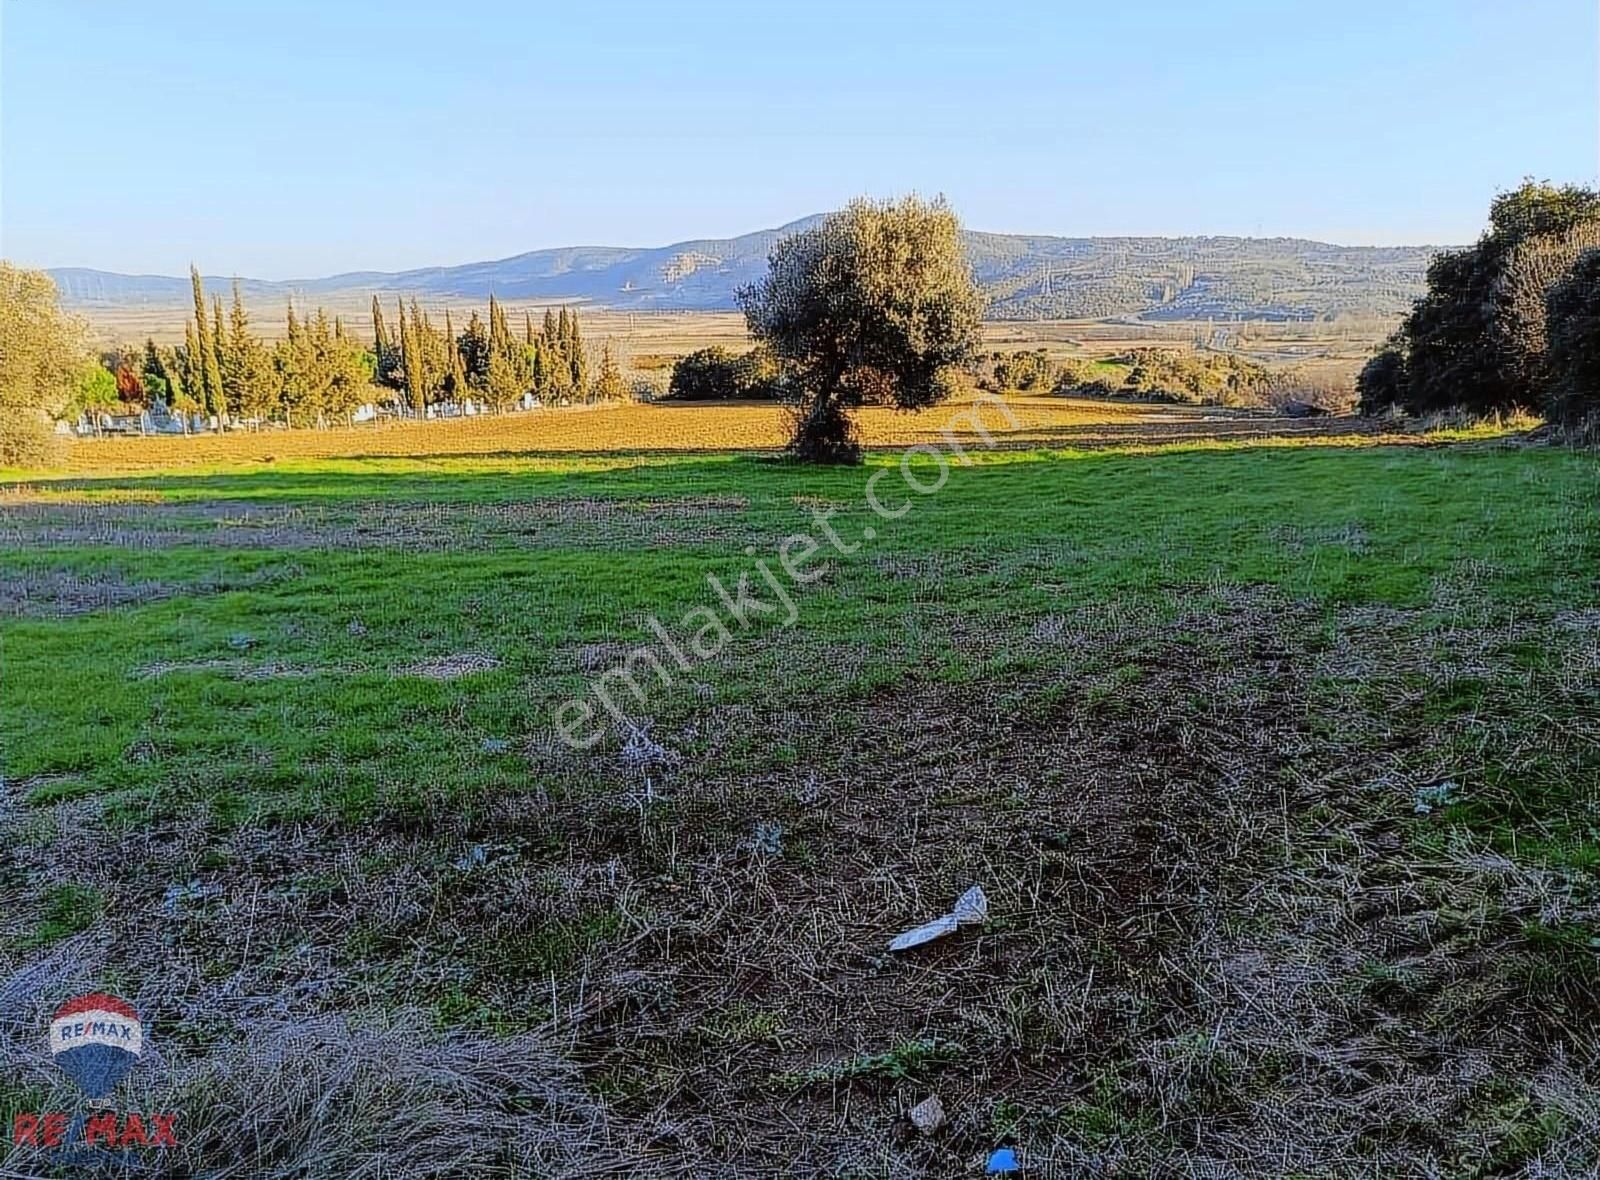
(1280, 768)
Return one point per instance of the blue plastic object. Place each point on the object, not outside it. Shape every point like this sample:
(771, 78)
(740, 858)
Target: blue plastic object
(1003, 1162)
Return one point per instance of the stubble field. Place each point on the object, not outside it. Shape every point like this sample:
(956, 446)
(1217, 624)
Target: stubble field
(1273, 745)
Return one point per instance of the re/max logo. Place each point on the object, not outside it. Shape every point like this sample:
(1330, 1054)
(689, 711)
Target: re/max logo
(106, 1129)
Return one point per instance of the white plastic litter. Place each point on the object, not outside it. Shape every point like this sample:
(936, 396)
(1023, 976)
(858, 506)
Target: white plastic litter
(927, 1116)
(971, 908)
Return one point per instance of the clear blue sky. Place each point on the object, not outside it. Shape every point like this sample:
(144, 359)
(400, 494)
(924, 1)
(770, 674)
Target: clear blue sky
(302, 137)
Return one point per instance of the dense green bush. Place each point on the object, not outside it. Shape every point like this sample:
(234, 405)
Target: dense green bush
(1573, 327)
(715, 374)
(1203, 378)
(1476, 340)
(1026, 372)
(1381, 385)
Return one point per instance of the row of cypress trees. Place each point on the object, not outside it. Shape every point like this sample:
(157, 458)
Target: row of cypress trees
(319, 369)
(225, 370)
(488, 361)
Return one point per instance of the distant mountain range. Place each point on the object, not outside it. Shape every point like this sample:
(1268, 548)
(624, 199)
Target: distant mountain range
(1025, 277)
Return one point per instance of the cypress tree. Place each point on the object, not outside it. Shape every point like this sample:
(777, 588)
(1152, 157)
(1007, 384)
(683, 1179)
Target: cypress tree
(475, 352)
(458, 374)
(219, 343)
(527, 328)
(203, 348)
(411, 359)
(193, 373)
(380, 331)
(576, 357)
(609, 385)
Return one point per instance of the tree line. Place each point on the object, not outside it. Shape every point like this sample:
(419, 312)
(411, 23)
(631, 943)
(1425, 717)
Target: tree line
(489, 362)
(318, 370)
(1511, 323)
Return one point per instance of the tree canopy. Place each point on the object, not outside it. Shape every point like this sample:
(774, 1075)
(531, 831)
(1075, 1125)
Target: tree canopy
(42, 357)
(1477, 339)
(876, 303)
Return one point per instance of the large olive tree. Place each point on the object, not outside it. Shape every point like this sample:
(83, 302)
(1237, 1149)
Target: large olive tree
(42, 355)
(876, 303)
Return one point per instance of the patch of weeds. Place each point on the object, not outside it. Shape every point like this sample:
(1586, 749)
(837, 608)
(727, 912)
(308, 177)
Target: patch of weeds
(555, 948)
(1513, 1130)
(1390, 986)
(1108, 1112)
(1107, 695)
(61, 790)
(1563, 956)
(68, 909)
(459, 1008)
(1465, 694)
(906, 1061)
(743, 1024)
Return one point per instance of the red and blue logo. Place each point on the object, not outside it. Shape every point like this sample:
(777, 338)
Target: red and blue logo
(96, 1039)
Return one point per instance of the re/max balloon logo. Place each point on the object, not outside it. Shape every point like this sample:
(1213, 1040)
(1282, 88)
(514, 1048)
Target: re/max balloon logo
(95, 1039)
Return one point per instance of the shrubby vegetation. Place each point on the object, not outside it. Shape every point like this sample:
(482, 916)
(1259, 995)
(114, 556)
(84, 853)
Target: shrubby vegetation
(43, 356)
(1573, 341)
(1198, 377)
(715, 374)
(1025, 371)
(876, 303)
(1480, 340)
(1204, 378)
(1166, 374)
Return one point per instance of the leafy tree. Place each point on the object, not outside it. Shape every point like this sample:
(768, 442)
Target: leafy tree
(1573, 325)
(158, 386)
(341, 367)
(429, 349)
(1382, 383)
(292, 361)
(248, 370)
(42, 354)
(876, 302)
(130, 383)
(509, 372)
(1024, 371)
(380, 331)
(577, 356)
(715, 374)
(1531, 268)
(552, 370)
(1475, 339)
(194, 382)
(219, 345)
(389, 364)
(94, 392)
(704, 374)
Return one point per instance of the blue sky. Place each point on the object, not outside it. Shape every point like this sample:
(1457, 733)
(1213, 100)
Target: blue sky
(302, 137)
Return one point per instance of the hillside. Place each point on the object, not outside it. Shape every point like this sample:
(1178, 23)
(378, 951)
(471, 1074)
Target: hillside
(1026, 277)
